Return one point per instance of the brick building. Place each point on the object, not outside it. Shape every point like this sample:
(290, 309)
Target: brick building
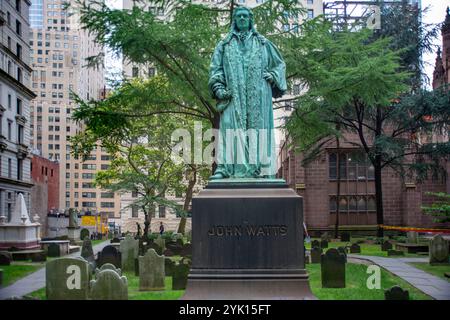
(45, 191)
(402, 199)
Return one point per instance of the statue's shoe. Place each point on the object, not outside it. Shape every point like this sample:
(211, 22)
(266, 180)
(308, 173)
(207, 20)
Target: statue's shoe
(217, 176)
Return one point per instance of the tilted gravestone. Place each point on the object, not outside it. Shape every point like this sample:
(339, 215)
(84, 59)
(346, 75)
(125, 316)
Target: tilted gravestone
(315, 244)
(161, 243)
(53, 250)
(129, 249)
(5, 258)
(109, 254)
(324, 244)
(67, 279)
(108, 266)
(333, 269)
(438, 250)
(387, 245)
(355, 248)
(84, 234)
(412, 237)
(396, 293)
(392, 252)
(345, 236)
(315, 254)
(169, 264)
(109, 285)
(151, 272)
(180, 275)
(343, 252)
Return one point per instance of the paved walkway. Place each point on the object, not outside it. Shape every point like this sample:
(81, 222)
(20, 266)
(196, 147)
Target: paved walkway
(36, 280)
(431, 285)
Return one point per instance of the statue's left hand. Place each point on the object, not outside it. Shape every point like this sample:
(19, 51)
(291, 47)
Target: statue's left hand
(268, 76)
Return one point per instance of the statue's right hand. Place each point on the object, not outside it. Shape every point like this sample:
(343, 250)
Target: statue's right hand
(223, 94)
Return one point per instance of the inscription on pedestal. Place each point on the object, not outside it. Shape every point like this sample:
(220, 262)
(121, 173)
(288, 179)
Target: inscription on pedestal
(248, 230)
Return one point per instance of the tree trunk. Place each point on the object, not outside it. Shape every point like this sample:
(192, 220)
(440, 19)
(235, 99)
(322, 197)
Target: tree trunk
(378, 195)
(187, 201)
(338, 188)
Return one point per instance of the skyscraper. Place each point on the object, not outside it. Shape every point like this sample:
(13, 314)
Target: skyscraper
(59, 49)
(15, 96)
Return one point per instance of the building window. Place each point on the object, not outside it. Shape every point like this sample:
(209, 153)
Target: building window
(9, 168)
(19, 106)
(353, 166)
(162, 211)
(134, 211)
(135, 72)
(310, 14)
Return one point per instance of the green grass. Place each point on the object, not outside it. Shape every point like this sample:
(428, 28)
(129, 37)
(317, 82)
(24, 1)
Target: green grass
(95, 242)
(356, 288)
(16, 271)
(135, 294)
(367, 249)
(437, 270)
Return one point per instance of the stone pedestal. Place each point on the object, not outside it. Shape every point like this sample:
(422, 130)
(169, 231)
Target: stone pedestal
(74, 234)
(247, 242)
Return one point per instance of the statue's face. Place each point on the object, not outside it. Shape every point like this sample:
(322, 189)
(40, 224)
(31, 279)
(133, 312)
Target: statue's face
(243, 20)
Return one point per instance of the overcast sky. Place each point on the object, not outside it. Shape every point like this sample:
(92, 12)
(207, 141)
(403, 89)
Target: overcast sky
(436, 14)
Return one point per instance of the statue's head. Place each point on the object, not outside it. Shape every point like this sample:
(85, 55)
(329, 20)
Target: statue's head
(242, 19)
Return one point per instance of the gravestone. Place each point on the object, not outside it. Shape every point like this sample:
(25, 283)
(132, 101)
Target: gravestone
(355, 248)
(315, 244)
(315, 254)
(53, 250)
(84, 234)
(392, 252)
(333, 269)
(154, 246)
(324, 244)
(343, 252)
(87, 252)
(180, 274)
(396, 293)
(345, 236)
(151, 272)
(109, 254)
(412, 236)
(438, 250)
(67, 279)
(174, 247)
(5, 258)
(169, 264)
(108, 266)
(129, 249)
(387, 245)
(109, 285)
(38, 257)
(115, 240)
(161, 243)
(186, 250)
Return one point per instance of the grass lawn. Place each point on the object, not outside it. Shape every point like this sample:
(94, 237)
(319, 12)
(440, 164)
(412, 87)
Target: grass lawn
(16, 271)
(94, 242)
(356, 288)
(437, 270)
(366, 248)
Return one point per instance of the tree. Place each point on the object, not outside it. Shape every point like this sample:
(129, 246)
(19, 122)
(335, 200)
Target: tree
(356, 82)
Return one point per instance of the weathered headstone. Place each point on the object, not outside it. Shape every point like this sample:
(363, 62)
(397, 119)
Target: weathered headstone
(161, 243)
(168, 266)
(387, 245)
(333, 269)
(412, 236)
(392, 252)
(343, 252)
(315, 244)
(151, 272)
(154, 246)
(38, 257)
(315, 254)
(396, 293)
(84, 234)
(109, 285)
(109, 254)
(108, 266)
(345, 236)
(129, 249)
(355, 248)
(179, 276)
(5, 258)
(324, 244)
(67, 279)
(438, 250)
(53, 250)
(87, 251)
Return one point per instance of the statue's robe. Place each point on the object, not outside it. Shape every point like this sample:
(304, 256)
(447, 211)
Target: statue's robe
(238, 66)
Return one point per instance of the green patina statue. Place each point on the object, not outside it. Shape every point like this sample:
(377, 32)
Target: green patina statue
(246, 72)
